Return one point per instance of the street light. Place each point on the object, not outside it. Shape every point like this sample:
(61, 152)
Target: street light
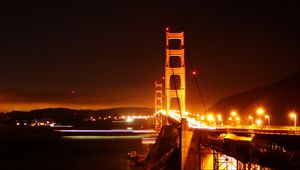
(233, 113)
(237, 120)
(219, 117)
(268, 117)
(258, 122)
(202, 117)
(250, 117)
(260, 111)
(293, 115)
(230, 119)
(210, 118)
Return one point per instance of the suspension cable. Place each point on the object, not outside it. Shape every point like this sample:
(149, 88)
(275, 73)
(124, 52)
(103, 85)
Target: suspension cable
(195, 79)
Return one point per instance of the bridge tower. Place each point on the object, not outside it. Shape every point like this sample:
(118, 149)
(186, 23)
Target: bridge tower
(158, 105)
(158, 102)
(174, 71)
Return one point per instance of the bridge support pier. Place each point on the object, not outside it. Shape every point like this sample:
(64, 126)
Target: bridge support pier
(190, 158)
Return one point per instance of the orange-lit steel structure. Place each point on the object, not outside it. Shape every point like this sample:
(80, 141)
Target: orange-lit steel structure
(171, 71)
(158, 99)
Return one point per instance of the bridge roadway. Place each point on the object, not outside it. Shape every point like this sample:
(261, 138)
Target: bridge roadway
(267, 146)
(246, 129)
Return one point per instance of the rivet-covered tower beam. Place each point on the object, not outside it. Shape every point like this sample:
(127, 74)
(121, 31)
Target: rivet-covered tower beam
(175, 71)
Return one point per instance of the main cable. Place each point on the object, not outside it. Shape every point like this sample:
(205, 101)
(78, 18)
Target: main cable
(195, 79)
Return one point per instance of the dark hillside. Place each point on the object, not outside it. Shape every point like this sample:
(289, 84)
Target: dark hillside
(278, 99)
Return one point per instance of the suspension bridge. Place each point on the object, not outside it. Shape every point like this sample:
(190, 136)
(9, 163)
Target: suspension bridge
(252, 146)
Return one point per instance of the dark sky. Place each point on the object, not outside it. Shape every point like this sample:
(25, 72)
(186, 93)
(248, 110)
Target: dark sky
(108, 53)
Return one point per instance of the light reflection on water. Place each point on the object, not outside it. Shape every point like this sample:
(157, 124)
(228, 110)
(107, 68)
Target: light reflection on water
(106, 137)
(33, 148)
(109, 152)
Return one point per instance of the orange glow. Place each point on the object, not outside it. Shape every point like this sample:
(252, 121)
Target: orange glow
(260, 111)
(219, 117)
(31, 106)
(258, 122)
(233, 113)
(293, 115)
(202, 117)
(210, 117)
(251, 118)
(268, 118)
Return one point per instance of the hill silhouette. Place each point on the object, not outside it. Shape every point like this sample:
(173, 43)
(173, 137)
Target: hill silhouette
(278, 99)
(70, 116)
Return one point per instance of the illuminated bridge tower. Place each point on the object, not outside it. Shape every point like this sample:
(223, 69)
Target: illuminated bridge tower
(175, 71)
(158, 97)
(158, 105)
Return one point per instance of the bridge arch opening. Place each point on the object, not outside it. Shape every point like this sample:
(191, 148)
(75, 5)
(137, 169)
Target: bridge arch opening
(174, 44)
(174, 103)
(175, 61)
(175, 82)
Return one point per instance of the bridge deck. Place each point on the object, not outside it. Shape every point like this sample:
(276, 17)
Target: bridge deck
(196, 124)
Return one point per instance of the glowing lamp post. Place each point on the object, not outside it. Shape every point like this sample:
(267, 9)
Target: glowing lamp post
(237, 120)
(220, 119)
(230, 119)
(202, 117)
(233, 113)
(268, 117)
(233, 117)
(294, 117)
(258, 122)
(251, 118)
(260, 111)
(210, 118)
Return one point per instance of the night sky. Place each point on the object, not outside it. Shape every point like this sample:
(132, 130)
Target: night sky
(104, 54)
